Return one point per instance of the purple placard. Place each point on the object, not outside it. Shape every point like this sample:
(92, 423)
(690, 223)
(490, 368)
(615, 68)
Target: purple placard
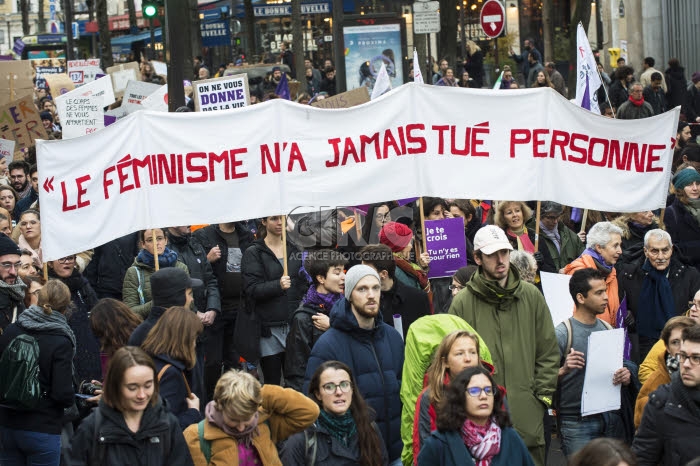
(447, 246)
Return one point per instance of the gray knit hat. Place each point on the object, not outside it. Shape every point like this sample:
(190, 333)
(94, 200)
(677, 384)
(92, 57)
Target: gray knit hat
(355, 274)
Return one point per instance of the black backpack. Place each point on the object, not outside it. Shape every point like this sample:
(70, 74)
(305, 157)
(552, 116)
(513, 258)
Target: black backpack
(19, 373)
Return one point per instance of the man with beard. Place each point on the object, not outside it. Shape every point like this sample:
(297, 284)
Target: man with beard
(523, 58)
(588, 290)
(513, 319)
(11, 286)
(33, 195)
(19, 178)
(373, 350)
(273, 80)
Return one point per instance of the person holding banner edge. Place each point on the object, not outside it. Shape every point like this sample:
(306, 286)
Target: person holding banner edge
(270, 268)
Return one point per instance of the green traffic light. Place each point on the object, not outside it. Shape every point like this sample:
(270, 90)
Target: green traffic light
(149, 11)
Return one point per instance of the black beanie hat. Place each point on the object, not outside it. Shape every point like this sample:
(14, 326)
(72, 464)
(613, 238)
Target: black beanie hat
(7, 246)
(168, 286)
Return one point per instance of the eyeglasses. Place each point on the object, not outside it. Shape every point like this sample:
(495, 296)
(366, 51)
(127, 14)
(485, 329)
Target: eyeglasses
(476, 391)
(694, 358)
(692, 304)
(66, 260)
(456, 287)
(330, 388)
(10, 265)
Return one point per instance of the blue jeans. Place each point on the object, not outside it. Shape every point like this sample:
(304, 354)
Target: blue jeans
(577, 431)
(25, 448)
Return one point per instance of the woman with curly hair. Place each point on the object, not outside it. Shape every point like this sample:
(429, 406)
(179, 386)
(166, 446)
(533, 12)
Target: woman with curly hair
(473, 427)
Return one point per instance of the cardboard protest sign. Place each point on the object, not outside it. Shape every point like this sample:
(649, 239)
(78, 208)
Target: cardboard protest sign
(158, 101)
(82, 72)
(15, 80)
(160, 68)
(20, 121)
(221, 93)
(134, 94)
(59, 84)
(121, 75)
(42, 71)
(80, 115)
(447, 246)
(345, 100)
(7, 150)
(100, 87)
(151, 170)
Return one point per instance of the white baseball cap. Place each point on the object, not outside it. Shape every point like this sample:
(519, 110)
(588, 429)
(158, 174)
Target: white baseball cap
(490, 239)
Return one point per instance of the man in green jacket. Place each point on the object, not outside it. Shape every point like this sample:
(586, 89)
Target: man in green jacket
(563, 244)
(513, 319)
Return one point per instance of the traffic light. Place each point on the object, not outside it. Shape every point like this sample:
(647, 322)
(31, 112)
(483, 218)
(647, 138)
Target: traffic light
(149, 9)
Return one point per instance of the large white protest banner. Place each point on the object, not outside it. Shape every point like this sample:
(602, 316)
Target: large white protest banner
(224, 93)
(82, 72)
(160, 169)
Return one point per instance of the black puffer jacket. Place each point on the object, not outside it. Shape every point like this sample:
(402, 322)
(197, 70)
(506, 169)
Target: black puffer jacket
(87, 353)
(670, 427)
(158, 442)
(261, 280)
(7, 306)
(329, 450)
(109, 265)
(192, 254)
(55, 366)
(301, 338)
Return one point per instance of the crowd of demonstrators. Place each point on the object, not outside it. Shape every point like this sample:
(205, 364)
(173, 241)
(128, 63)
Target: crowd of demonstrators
(324, 322)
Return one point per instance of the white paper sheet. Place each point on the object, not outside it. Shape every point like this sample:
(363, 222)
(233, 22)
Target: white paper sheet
(398, 324)
(555, 287)
(603, 359)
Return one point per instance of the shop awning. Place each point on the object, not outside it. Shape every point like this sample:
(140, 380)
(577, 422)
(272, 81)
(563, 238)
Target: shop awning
(122, 44)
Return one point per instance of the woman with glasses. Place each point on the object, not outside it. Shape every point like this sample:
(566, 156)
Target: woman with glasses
(30, 237)
(459, 350)
(378, 215)
(244, 422)
(344, 433)
(473, 427)
(137, 281)
(87, 354)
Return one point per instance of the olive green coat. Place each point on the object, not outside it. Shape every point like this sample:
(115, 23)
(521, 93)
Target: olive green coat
(520, 335)
(571, 244)
(130, 289)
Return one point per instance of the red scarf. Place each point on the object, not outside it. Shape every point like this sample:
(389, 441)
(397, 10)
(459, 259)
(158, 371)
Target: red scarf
(483, 442)
(637, 103)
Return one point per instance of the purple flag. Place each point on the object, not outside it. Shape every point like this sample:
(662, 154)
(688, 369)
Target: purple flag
(586, 101)
(283, 88)
(576, 214)
(620, 321)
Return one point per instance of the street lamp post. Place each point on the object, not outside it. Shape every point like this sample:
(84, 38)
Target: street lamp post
(8, 17)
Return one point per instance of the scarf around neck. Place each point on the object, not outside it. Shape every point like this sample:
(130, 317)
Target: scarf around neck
(693, 207)
(324, 301)
(491, 291)
(341, 427)
(483, 442)
(553, 235)
(524, 243)
(656, 304)
(35, 319)
(15, 291)
(636, 103)
(672, 363)
(598, 258)
(167, 259)
(216, 417)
